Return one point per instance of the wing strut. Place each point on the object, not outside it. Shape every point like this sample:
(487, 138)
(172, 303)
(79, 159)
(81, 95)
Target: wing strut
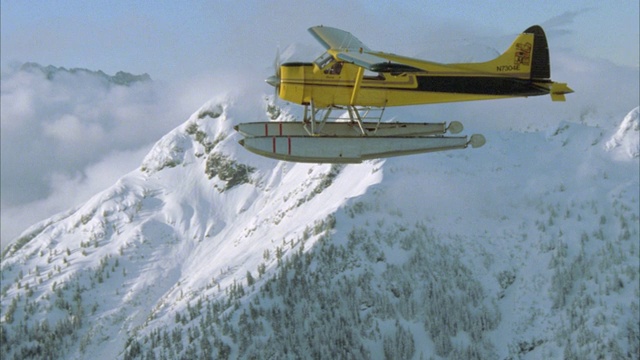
(356, 86)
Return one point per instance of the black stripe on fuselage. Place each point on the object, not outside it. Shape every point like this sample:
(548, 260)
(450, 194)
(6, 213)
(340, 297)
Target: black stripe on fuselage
(297, 64)
(479, 85)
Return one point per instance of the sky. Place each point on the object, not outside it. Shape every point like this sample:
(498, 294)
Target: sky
(65, 140)
(161, 37)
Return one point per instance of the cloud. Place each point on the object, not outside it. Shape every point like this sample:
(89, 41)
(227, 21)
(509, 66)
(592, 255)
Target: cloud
(56, 132)
(67, 190)
(565, 19)
(70, 129)
(561, 28)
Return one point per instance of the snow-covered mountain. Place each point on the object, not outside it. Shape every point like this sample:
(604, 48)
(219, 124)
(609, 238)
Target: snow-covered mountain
(526, 248)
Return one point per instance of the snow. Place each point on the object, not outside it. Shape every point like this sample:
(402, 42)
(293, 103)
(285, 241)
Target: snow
(626, 141)
(525, 248)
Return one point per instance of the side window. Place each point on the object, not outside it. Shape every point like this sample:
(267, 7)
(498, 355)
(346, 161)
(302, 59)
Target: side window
(323, 60)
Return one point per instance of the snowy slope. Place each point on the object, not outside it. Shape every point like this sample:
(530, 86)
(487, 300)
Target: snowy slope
(626, 141)
(525, 248)
(172, 229)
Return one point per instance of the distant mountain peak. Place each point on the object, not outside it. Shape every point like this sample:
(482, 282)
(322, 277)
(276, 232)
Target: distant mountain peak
(120, 78)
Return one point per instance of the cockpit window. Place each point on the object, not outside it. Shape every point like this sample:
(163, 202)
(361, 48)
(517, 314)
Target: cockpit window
(323, 60)
(334, 69)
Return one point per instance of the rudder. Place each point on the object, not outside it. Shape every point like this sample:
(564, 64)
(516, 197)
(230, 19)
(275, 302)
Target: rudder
(540, 68)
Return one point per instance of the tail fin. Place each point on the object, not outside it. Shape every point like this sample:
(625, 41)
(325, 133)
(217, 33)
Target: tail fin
(527, 57)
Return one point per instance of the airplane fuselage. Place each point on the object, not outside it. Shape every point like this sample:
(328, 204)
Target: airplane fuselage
(302, 83)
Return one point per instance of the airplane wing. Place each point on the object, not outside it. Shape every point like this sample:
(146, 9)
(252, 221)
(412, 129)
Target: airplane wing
(346, 47)
(336, 39)
(417, 64)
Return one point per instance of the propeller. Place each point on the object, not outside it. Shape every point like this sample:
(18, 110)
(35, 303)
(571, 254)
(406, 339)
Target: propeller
(274, 80)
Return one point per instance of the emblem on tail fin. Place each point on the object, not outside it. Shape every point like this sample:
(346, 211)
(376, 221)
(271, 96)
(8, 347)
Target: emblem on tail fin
(523, 54)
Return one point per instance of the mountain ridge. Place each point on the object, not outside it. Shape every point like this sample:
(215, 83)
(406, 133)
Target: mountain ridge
(120, 78)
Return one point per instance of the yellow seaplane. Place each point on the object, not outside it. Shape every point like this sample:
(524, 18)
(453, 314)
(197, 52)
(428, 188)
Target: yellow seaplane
(360, 83)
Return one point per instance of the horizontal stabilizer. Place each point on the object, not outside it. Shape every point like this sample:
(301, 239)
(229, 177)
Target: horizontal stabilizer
(558, 90)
